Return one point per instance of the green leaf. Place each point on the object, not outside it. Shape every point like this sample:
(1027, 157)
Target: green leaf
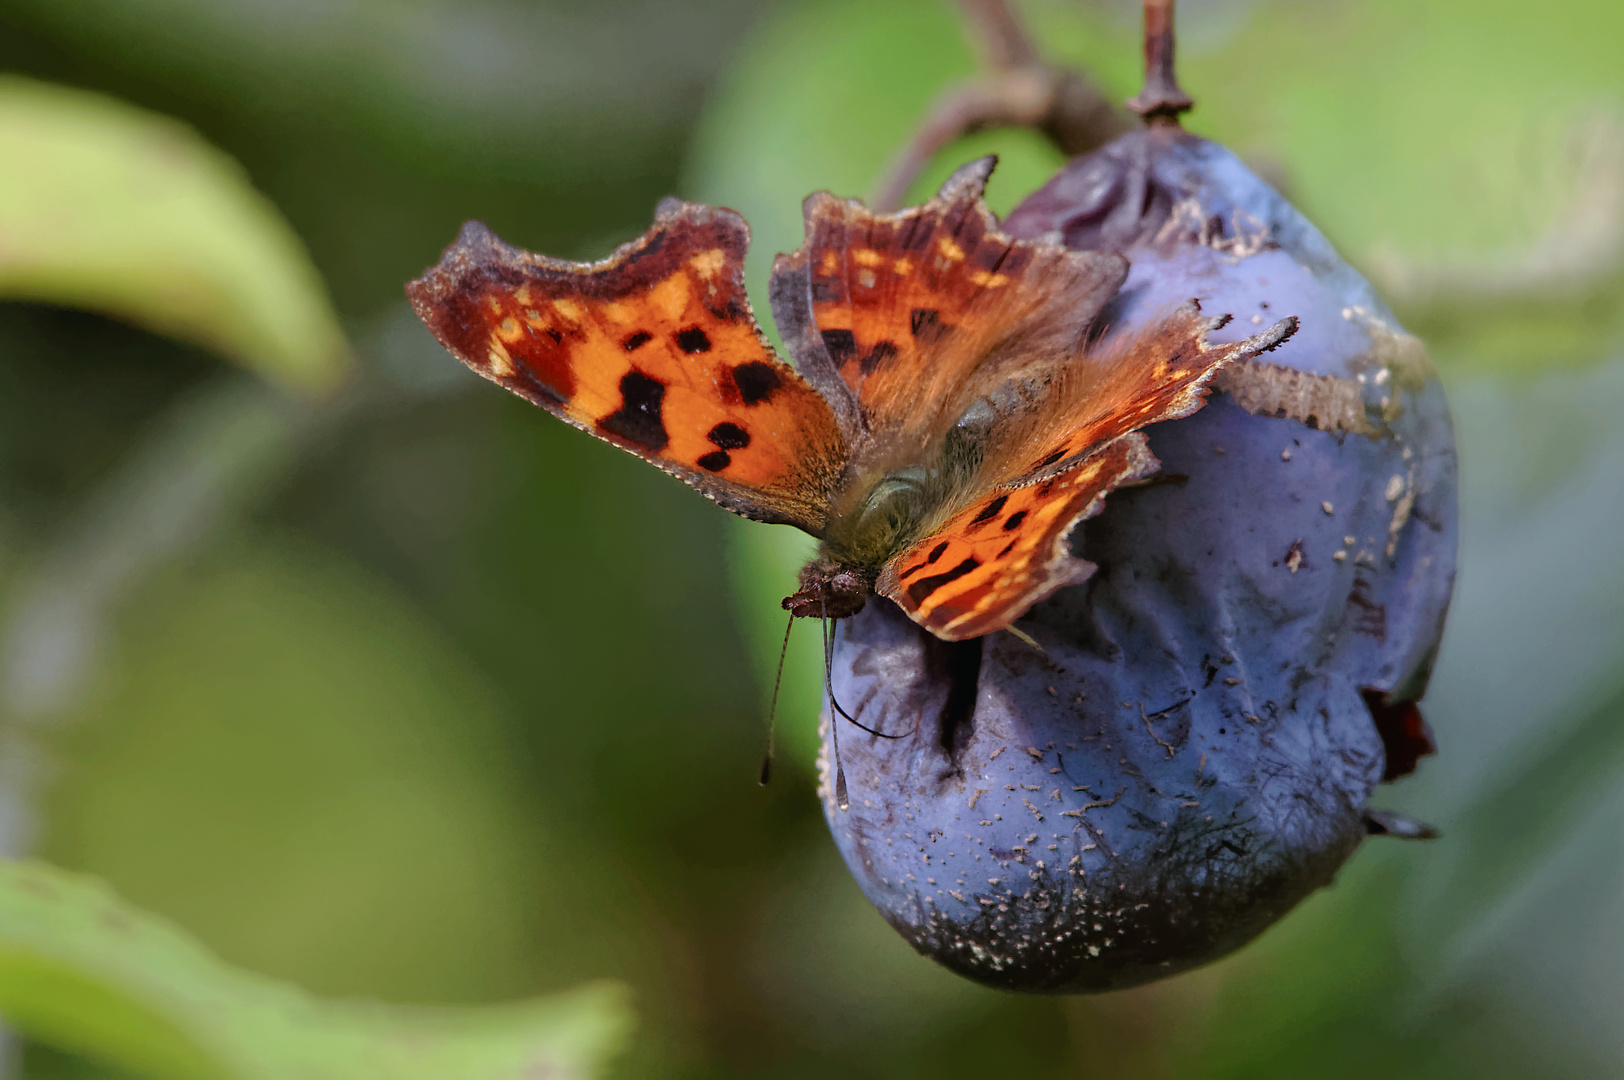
(111, 208)
(82, 969)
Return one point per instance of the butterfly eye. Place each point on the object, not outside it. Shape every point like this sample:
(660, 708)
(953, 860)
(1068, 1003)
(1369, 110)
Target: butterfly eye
(892, 509)
(1153, 766)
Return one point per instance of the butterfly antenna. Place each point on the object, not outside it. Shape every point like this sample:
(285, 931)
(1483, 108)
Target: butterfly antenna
(841, 799)
(828, 663)
(772, 710)
(1161, 99)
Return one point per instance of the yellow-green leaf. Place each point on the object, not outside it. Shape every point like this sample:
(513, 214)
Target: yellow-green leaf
(107, 207)
(82, 969)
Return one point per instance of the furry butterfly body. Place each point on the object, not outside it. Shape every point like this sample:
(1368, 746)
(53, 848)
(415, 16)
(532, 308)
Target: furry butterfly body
(948, 417)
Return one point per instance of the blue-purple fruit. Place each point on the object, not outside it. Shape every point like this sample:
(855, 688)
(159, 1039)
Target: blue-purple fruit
(1187, 750)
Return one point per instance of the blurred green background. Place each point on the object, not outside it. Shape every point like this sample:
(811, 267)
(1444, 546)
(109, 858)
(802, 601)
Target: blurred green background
(379, 681)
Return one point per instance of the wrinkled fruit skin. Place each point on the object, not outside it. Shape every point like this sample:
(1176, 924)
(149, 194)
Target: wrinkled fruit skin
(1190, 753)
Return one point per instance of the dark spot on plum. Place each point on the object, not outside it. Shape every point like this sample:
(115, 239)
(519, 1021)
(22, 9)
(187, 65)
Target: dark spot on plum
(958, 664)
(757, 381)
(638, 421)
(693, 340)
(636, 341)
(715, 461)
(1370, 618)
(1406, 736)
(729, 436)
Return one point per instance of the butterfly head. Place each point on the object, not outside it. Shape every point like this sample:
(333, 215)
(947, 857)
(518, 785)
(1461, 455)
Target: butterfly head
(829, 590)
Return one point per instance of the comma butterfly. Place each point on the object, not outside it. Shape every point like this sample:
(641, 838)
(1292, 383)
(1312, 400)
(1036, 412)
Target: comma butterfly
(950, 415)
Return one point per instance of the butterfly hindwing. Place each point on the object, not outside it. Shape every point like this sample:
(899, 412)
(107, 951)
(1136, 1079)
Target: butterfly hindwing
(654, 349)
(989, 563)
(986, 564)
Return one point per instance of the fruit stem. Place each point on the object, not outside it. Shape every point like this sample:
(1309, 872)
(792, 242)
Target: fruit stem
(1161, 100)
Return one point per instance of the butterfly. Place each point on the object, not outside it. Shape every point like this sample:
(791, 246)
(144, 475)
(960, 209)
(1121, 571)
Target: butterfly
(950, 411)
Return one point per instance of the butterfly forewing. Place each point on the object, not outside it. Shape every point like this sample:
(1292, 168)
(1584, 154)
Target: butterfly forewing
(1156, 374)
(655, 350)
(921, 312)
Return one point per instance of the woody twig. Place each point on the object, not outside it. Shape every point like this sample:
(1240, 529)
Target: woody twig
(1019, 89)
(1161, 99)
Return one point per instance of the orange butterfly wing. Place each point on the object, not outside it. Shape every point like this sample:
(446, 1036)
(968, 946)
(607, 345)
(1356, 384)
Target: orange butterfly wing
(911, 317)
(654, 349)
(985, 564)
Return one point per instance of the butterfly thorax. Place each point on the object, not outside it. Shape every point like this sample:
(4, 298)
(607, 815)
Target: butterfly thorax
(873, 519)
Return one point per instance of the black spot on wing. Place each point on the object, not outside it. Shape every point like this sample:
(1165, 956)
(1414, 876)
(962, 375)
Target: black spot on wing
(729, 436)
(1015, 520)
(841, 346)
(921, 589)
(924, 322)
(715, 461)
(757, 381)
(879, 354)
(638, 421)
(693, 340)
(991, 510)
(1049, 460)
(637, 341)
(936, 552)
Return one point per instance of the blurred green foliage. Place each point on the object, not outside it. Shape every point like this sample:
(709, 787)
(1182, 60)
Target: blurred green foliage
(406, 692)
(113, 209)
(81, 967)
